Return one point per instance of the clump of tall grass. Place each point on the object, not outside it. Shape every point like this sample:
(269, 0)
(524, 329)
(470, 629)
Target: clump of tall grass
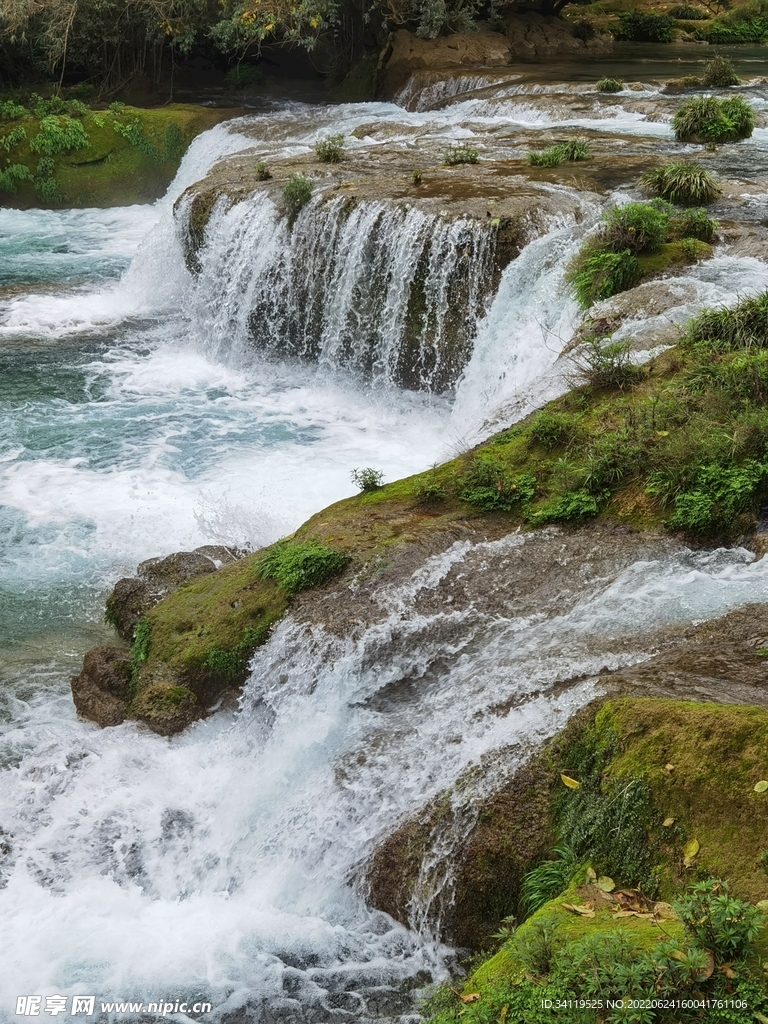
(560, 153)
(681, 182)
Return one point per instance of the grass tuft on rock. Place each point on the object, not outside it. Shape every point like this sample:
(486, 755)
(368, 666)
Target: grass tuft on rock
(711, 121)
(457, 155)
(298, 565)
(681, 182)
(719, 73)
(330, 150)
(297, 192)
(560, 153)
(610, 85)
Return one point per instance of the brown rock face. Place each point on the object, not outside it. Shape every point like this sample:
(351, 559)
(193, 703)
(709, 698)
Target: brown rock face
(133, 596)
(101, 690)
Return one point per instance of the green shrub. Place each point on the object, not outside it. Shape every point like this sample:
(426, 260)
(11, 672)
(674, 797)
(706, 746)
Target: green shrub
(429, 491)
(11, 175)
(13, 138)
(694, 224)
(596, 274)
(722, 330)
(561, 152)
(243, 77)
(59, 135)
(687, 13)
(262, 172)
(638, 27)
(747, 23)
(692, 250)
(116, 107)
(11, 111)
(536, 949)
(298, 565)
(416, 176)
(47, 190)
(607, 365)
(551, 429)
(717, 497)
(367, 479)
(45, 108)
(233, 664)
(77, 108)
(639, 227)
(491, 486)
(460, 155)
(719, 73)
(719, 921)
(707, 119)
(681, 182)
(548, 879)
(297, 192)
(134, 133)
(610, 85)
(566, 507)
(330, 150)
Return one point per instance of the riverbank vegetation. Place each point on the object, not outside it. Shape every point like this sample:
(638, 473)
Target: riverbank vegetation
(55, 152)
(655, 809)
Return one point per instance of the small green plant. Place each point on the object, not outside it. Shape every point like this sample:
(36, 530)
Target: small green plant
(639, 227)
(694, 224)
(718, 921)
(607, 365)
(244, 77)
(560, 153)
(59, 135)
(367, 479)
(262, 172)
(11, 111)
(142, 640)
(551, 429)
(174, 142)
(297, 192)
(596, 274)
(45, 167)
(681, 182)
(416, 176)
(610, 85)
(429, 491)
(548, 879)
(692, 250)
(47, 190)
(298, 565)
(41, 108)
(13, 138)
(723, 330)
(687, 13)
(77, 108)
(116, 107)
(11, 175)
(460, 155)
(709, 120)
(566, 507)
(506, 929)
(489, 485)
(719, 73)
(134, 133)
(330, 150)
(638, 27)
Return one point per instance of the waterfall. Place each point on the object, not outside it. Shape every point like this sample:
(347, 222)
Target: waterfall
(388, 292)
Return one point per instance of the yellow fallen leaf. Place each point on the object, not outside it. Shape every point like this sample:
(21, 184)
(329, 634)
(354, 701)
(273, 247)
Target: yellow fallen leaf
(662, 909)
(569, 782)
(760, 787)
(690, 851)
(624, 913)
(667, 822)
(470, 997)
(606, 884)
(585, 911)
(669, 767)
(662, 433)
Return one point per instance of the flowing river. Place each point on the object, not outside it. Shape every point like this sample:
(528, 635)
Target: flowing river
(138, 419)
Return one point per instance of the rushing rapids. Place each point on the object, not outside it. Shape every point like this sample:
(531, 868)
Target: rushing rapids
(147, 408)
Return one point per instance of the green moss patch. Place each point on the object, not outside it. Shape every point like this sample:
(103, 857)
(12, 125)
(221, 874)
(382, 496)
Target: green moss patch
(98, 158)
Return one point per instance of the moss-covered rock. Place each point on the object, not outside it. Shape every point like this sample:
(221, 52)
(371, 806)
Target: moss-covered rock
(166, 709)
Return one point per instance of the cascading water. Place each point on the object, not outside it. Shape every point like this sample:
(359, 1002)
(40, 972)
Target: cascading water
(226, 864)
(389, 293)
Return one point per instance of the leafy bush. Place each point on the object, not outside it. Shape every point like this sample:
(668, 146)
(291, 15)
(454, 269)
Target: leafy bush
(707, 119)
(297, 192)
(610, 85)
(262, 172)
(11, 111)
(416, 176)
(11, 175)
(718, 921)
(298, 565)
(719, 73)
(687, 13)
(59, 135)
(717, 497)
(367, 479)
(747, 23)
(551, 429)
(13, 138)
(243, 77)
(596, 274)
(694, 224)
(47, 190)
(566, 507)
(607, 365)
(460, 155)
(330, 150)
(639, 227)
(134, 133)
(116, 107)
(575, 149)
(429, 491)
(45, 107)
(681, 182)
(638, 27)
(490, 486)
(77, 108)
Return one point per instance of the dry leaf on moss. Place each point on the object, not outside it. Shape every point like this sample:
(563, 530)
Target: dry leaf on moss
(569, 782)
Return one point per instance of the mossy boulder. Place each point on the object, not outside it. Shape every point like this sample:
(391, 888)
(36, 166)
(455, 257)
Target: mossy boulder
(166, 709)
